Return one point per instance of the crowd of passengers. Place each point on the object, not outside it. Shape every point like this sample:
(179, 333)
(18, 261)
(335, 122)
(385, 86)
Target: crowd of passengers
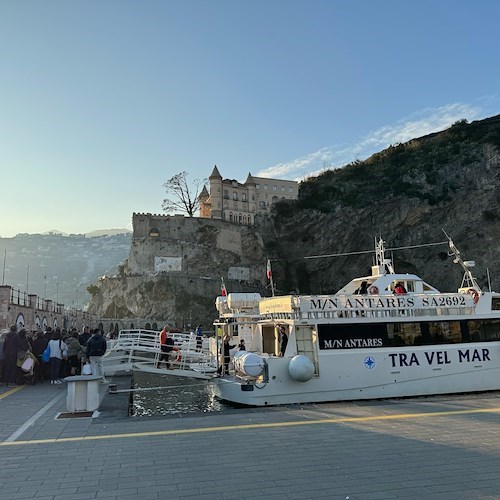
(68, 354)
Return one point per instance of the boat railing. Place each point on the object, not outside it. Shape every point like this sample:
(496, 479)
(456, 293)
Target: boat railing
(357, 307)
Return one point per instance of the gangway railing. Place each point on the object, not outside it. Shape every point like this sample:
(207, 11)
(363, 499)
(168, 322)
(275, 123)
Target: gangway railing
(141, 350)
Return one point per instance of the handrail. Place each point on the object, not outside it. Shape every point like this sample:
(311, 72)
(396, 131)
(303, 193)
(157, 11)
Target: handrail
(144, 348)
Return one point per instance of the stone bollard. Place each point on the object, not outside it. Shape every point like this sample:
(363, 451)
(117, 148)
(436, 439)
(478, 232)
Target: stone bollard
(83, 393)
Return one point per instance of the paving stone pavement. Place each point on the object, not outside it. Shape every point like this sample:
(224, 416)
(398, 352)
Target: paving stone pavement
(442, 447)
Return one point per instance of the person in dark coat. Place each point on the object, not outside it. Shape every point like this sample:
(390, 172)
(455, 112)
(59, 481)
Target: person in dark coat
(199, 338)
(96, 348)
(363, 289)
(24, 342)
(39, 345)
(11, 346)
(84, 337)
(283, 342)
(224, 350)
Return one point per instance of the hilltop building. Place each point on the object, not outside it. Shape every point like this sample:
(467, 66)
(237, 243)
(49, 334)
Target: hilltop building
(232, 201)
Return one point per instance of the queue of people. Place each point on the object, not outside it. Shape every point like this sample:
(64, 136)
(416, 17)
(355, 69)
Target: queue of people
(22, 354)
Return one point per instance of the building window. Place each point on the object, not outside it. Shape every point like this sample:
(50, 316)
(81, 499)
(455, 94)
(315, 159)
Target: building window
(253, 197)
(265, 187)
(257, 186)
(275, 188)
(244, 197)
(154, 232)
(290, 190)
(282, 189)
(235, 195)
(226, 194)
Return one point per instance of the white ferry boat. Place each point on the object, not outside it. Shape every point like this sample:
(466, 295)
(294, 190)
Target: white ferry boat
(353, 345)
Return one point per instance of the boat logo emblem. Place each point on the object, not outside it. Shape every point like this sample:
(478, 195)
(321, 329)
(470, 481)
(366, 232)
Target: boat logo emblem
(369, 363)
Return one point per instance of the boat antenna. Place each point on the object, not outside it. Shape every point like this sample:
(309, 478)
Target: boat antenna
(468, 281)
(344, 254)
(489, 280)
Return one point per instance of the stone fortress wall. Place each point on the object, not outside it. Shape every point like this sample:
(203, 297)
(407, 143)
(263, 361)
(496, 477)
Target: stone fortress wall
(199, 247)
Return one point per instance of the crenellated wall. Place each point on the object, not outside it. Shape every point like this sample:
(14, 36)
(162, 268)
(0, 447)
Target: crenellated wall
(200, 247)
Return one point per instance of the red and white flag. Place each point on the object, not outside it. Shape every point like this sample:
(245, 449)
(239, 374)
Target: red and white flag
(268, 271)
(223, 291)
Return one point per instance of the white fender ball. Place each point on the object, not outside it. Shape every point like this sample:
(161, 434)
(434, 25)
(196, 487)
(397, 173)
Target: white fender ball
(301, 368)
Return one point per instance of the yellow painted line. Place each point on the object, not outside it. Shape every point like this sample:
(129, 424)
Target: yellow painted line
(176, 432)
(12, 391)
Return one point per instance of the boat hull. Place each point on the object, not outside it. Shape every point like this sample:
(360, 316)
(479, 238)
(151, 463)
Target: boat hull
(376, 374)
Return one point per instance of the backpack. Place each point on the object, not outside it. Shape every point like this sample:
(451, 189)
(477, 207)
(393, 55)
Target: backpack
(46, 354)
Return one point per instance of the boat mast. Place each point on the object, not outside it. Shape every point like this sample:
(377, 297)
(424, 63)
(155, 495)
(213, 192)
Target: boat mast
(468, 281)
(382, 263)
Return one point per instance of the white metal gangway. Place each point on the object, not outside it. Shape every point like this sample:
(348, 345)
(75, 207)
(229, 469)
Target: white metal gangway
(141, 350)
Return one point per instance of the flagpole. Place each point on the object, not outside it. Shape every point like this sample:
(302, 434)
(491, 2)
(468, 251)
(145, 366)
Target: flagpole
(269, 273)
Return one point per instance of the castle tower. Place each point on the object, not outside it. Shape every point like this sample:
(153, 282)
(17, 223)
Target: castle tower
(252, 205)
(205, 203)
(215, 180)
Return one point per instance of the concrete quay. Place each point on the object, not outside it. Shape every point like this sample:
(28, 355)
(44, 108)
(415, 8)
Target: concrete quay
(441, 447)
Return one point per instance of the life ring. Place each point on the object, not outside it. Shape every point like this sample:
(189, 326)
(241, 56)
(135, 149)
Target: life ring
(373, 290)
(475, 294)
(179, 354)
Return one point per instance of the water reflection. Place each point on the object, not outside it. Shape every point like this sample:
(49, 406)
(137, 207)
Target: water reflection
(176, 395)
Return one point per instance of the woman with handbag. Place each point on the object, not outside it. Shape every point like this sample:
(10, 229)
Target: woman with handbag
(58, 350)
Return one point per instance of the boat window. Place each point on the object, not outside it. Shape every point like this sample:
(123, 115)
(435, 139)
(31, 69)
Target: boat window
(495, 304)
(484, 331)
(445, 332)
(404, 334)
(407, 334)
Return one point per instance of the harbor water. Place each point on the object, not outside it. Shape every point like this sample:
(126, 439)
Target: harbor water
(166, 395)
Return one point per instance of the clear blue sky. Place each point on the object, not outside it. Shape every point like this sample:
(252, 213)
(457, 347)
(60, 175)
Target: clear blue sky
(101, 101)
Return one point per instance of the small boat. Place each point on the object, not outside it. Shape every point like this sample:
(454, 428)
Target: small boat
(385, 335)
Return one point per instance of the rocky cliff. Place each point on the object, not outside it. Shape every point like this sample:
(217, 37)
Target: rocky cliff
(407, 194)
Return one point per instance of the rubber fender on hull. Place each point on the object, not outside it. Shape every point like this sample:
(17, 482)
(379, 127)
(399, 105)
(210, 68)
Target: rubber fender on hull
(248, 363)
(301, 368)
